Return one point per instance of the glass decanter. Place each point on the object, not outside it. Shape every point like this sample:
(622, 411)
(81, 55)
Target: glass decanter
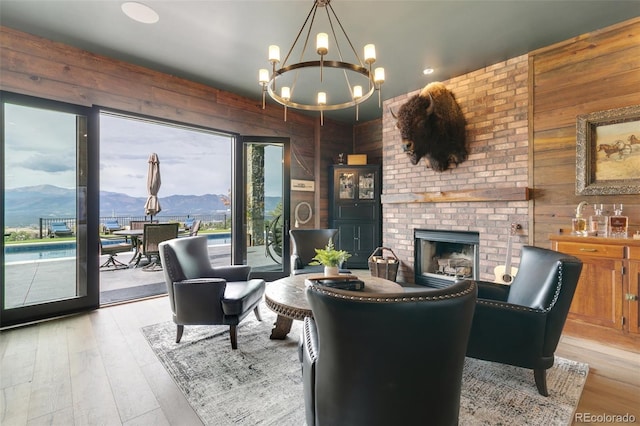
(598, 223)
(618, 224)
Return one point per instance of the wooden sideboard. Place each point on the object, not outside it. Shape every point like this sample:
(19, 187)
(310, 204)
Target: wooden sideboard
(605, 305)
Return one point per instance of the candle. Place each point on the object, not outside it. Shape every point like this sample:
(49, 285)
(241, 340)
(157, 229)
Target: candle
(285, 93)
(322, 43)
(357, 92)
(369, 53)
(263, 76)
(274, 53)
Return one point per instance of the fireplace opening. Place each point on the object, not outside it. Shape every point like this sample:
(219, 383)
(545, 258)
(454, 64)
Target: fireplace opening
(442, 257)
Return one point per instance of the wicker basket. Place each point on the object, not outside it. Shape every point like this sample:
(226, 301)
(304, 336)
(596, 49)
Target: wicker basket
(383, 266)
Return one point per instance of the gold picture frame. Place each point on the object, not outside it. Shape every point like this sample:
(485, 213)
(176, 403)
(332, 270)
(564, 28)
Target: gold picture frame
(608, 152)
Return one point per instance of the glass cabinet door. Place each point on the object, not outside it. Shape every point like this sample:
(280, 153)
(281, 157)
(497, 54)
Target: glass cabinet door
(346, 186)
(366, 186)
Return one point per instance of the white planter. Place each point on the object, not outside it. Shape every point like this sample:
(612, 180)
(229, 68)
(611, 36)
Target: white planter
(330, 271)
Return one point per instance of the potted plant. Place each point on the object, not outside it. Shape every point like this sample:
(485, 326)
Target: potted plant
(331, 258)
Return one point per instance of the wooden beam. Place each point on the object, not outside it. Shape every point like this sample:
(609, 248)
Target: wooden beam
(464, 195)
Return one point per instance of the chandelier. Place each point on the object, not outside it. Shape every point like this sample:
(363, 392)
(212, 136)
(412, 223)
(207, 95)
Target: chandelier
(306, 78)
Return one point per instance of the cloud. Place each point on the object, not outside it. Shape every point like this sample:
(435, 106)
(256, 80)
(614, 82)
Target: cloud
(45, 163)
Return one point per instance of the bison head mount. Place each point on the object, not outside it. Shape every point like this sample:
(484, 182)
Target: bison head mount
(432, 125)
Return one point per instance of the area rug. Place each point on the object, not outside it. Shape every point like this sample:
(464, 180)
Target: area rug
(260, 382)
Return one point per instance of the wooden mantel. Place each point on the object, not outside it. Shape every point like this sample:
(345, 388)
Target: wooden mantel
(463, 195)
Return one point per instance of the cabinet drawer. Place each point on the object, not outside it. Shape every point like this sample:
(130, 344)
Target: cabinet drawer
(596, 250)
(634, 253)
(358, 211)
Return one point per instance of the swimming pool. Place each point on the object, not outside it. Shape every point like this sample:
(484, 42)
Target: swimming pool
(61, 250)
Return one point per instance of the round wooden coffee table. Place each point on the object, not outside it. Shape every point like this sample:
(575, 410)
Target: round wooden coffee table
(287, 298)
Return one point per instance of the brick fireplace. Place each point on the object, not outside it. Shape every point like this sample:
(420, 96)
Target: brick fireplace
(442, 257)
(486, 193)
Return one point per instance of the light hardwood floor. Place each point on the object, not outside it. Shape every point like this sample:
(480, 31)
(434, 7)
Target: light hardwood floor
(97, 368)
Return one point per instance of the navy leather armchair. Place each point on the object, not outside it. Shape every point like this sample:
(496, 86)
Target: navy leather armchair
(521, 324)
(303, 245)
(200, 294)
(385, 359)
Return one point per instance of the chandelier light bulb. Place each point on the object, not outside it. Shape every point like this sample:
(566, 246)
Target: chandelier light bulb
(357, 92)
(285, 93)
(322, 98)
(378, 75)
(369, 53)
(263, 76)
(274, 54)
(322, 43)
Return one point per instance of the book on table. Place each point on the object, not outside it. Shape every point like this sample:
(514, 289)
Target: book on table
(342, 282)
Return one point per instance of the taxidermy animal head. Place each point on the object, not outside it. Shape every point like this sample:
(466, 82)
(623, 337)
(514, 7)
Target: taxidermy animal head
(432, 125)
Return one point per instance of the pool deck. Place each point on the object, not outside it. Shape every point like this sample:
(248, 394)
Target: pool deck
(35, 282)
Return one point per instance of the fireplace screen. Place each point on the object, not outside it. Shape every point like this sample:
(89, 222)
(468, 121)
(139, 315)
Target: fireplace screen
(445, 256)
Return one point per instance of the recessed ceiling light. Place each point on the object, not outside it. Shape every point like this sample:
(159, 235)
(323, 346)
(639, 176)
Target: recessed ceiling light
(427, 71)
(140, 12)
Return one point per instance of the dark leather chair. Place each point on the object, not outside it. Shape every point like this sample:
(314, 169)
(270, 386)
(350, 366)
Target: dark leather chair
(200, 294)
(385, 359)
(303, 245)
(521, 324)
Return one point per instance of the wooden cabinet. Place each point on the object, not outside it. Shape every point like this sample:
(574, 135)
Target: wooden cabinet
(605, 305)
(355, 210)
(631, 298)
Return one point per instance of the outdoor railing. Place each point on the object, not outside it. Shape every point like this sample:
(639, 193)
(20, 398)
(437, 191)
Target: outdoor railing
(218, 220)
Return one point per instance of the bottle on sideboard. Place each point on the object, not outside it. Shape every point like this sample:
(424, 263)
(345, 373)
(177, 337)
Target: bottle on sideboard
(579, 223)
(618, 224)
(598, 223)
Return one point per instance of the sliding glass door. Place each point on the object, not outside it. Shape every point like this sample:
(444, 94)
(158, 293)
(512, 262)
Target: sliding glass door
(261, 237)
(48, 260)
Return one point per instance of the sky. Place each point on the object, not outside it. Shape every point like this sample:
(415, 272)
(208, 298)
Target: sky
(191, 162)
(40, 149)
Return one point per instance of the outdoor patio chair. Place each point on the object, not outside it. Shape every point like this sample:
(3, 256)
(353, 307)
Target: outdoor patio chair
(193, 231)
(188, 223)
(112, 249)
(59, 229)
(139, 224)
(154, 234)
(110, 225)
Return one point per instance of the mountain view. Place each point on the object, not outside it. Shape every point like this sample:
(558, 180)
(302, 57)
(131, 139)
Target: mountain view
(25, 206)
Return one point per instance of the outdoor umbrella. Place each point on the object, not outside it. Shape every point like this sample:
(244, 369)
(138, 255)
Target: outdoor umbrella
(152, 206)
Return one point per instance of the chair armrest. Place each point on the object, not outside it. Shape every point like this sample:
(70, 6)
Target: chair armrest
(295, 262)
(231, 272)
(507, 333)
(199, 300)
(493, 291)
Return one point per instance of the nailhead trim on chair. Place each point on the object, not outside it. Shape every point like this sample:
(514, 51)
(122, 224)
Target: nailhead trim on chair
(525, 308)
(403, 299)
(312, 354)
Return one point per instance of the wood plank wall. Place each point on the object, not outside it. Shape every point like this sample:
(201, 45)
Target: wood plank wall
(594, 72)
(368, 140)
(39, 67)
